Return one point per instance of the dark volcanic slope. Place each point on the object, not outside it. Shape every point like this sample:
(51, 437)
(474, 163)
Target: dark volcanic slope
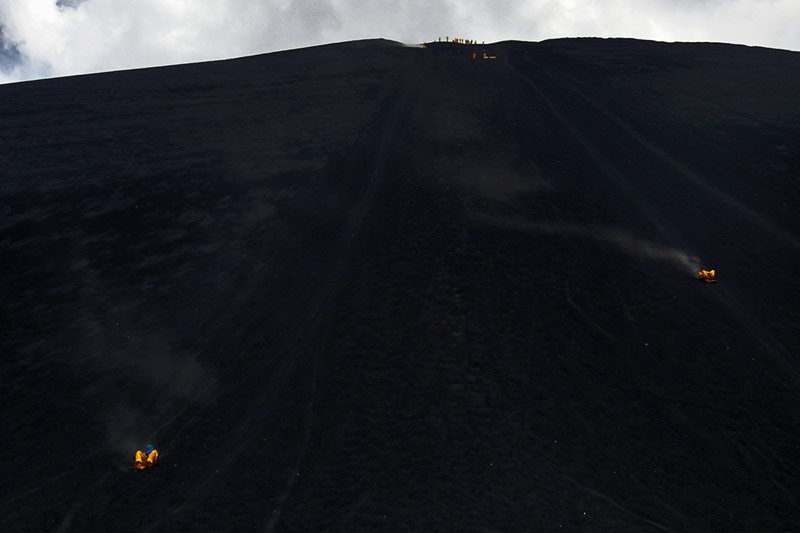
(367, 286)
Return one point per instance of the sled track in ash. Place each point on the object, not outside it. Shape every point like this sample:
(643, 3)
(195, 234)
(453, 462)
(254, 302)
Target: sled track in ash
(305, 342)
(388, 135)
(609, 170)
(762, 336)
(680, 169)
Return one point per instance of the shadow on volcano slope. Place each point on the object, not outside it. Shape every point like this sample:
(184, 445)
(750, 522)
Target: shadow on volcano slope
(369, 286)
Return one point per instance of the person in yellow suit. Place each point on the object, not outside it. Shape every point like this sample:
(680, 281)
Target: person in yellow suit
(709, 276)
(146, 458)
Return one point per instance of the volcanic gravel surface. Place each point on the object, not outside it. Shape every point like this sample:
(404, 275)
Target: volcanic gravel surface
(369, 286)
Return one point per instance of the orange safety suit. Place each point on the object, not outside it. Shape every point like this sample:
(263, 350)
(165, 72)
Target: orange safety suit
(142, 460)
(709, 276)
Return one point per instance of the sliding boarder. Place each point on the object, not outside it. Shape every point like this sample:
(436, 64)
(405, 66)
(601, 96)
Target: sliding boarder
(146, 458)
(709, 276)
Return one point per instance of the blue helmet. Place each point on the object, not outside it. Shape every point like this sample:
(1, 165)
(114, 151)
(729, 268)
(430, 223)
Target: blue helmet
(148, 449)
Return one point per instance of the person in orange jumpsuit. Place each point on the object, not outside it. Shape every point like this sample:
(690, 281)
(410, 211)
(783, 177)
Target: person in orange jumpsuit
(709, 276)
(146, 458)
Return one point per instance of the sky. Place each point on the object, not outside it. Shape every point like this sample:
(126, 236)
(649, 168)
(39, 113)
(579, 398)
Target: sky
(50, 38)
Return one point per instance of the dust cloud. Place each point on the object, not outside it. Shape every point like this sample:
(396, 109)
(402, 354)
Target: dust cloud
(624, 241)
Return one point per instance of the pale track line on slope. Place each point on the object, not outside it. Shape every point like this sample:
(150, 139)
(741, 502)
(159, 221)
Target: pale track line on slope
(377, 177)
(605, 166)
(616, 504)
(295, 474)
(306, 331)
(679, 167)
(765, 338)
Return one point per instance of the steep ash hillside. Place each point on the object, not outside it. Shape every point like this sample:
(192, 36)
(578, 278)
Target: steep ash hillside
(374, 286)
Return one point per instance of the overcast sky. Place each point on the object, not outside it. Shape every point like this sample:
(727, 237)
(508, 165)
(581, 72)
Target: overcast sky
(45, 38)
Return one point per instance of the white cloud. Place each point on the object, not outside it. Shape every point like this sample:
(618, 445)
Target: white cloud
(42, 38)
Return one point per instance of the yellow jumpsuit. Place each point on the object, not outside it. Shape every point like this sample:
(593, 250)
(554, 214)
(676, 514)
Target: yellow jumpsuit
(709, 276)
(142, 460)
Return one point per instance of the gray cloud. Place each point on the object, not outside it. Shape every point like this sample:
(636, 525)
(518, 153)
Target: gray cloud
(44, 38)
(10, 56)
(69, 3)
